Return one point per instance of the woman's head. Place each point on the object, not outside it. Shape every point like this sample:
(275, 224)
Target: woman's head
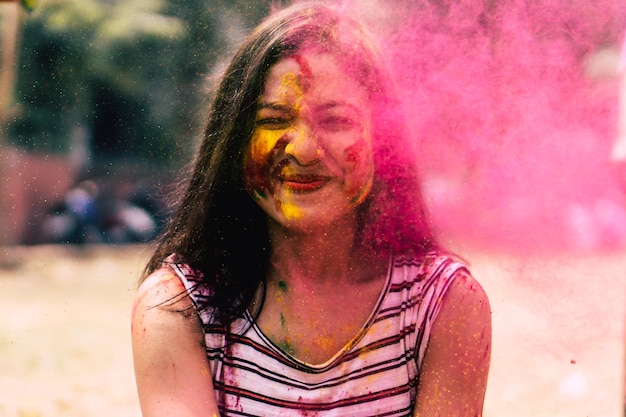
(309, 161)
(218, 227)
(304, 28)
(322, 31)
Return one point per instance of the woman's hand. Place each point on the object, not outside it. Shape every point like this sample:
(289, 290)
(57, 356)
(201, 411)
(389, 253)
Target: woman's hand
(453, 377)
(171, 367)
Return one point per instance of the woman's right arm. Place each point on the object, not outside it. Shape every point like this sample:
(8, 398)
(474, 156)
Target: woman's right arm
(171, 367)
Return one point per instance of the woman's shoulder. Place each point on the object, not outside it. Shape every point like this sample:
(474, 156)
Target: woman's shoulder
(163, 288)
(178, 287)
(452, 273)
(440, 278)
(183, 269)
(431, 262)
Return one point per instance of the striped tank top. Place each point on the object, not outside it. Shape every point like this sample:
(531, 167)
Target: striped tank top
(374, 375)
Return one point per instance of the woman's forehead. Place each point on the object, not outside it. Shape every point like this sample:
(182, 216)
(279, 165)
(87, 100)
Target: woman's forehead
(314, 74)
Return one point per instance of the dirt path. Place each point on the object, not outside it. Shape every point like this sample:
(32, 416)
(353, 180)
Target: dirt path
(65, 339)
(558, 335)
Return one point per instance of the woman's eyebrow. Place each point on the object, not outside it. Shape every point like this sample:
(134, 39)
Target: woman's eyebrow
(334, 104)
(274, 106)
(330, 105)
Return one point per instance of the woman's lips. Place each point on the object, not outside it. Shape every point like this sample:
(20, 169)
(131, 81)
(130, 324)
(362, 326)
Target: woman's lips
(304, 183)
(300, 179)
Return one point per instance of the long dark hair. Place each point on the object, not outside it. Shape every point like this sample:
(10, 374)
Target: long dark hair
(219, 230)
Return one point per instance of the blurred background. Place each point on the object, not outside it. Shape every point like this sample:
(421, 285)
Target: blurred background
(513, 108)
(102, 102)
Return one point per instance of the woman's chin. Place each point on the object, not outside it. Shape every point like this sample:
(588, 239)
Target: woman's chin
(310, 220)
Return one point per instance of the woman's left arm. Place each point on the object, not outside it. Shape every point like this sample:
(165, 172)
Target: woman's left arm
(453, 378)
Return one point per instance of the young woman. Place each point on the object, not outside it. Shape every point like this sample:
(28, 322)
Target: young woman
(298, 275)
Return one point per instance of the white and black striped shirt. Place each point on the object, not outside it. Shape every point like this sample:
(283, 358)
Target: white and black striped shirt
(374, 375)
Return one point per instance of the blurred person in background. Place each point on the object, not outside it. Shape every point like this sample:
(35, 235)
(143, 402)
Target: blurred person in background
(299, 274)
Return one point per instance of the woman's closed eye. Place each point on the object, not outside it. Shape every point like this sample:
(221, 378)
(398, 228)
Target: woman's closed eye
(273, 116)
(338, 123)
(273, 123)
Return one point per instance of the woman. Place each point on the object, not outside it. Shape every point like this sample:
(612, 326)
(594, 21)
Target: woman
(298, 275)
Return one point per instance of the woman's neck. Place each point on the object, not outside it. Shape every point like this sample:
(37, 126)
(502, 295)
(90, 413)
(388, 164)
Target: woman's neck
(316, 255)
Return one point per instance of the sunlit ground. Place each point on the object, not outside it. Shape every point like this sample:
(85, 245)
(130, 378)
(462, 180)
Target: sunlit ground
(65, 339)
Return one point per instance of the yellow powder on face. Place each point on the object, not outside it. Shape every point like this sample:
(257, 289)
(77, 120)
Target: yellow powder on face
(290, 210)
(291, 82)
(263, 142)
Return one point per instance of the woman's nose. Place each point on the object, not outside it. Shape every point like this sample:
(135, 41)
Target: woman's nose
(303, 145)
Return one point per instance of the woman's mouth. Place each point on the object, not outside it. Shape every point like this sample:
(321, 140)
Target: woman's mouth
(304, 183)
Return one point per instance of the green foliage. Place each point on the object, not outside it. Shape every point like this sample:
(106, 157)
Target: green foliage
(130, 73)
(28, 4)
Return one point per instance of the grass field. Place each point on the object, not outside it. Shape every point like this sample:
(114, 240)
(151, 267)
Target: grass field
(65, 340)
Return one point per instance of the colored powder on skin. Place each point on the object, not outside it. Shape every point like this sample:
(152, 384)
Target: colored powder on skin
(306, 74)
(291, 82)
(285, 345)
(290, 210)
(324, 341)
(257, 162)
(356, 153)
(258, 159)
(264, 141)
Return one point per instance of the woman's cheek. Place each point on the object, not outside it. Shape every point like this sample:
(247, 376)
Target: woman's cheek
(358, 169)
(258, 160)
(289, 209)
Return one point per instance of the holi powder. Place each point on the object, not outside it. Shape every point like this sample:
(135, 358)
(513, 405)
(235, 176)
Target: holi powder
(264, 143)
(512, 113)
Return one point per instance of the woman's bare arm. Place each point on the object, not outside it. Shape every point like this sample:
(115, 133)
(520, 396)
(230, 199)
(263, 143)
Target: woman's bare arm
(171, 367)
(453, 378)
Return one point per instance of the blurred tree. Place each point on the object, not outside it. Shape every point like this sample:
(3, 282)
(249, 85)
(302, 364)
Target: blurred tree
(70, 52)
(9, 17)
(213, 30)
(28, 4)
(121, 79)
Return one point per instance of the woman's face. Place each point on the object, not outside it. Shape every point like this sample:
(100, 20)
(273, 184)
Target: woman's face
(309, 161)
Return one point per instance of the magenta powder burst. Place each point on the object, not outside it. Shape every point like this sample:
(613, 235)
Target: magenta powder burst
(512, 110)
